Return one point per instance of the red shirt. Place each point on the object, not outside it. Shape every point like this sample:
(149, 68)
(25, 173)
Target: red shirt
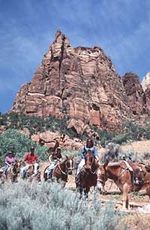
(30, 159)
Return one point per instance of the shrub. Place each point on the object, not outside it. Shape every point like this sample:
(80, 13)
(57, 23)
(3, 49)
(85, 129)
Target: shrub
(13, 140)
(49, 206)
(121, 138)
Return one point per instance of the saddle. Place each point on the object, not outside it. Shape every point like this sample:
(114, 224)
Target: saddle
(50, 171)
(137, 174)
(147, 167)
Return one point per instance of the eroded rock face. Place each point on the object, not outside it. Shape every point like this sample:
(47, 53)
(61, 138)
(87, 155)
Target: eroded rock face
(135, 93)
(146, 88)
(80, 84)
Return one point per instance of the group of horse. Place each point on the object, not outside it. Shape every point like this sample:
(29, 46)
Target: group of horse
(95, 174)
(60, 172)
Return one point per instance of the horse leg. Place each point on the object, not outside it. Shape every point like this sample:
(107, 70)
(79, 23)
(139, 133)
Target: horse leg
(2, 178)
(38, 176)
(100, 187)
(148, 191)
(80, 190)
(86, 191)
(45, 176)
(125, 196)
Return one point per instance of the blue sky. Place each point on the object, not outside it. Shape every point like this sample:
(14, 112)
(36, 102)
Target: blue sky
(28, 27)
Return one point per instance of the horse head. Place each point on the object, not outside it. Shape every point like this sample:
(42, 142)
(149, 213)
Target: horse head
(15, 167)
(69, 164)
(102, 176)
(89, 160)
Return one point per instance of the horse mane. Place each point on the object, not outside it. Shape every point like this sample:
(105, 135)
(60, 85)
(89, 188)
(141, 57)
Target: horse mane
(114, 164)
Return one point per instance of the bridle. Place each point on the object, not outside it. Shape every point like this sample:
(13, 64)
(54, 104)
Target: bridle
(66, 167)
(92, 162)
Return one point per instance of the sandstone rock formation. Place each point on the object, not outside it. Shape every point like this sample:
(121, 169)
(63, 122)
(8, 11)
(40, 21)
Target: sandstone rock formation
(135, 93)
(81, 85)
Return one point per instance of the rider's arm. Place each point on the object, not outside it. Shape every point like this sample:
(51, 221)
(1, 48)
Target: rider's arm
(7, 161)
(82, 153)
(25, 157)
(37, 159)
(96, 153)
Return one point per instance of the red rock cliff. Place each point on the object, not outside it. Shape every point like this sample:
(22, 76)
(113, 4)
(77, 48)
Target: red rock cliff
(78, 83)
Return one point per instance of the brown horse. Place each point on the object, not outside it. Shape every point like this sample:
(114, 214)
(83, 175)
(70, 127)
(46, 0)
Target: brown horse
(12, 172)
(60, 171)
(88, 175)
(119, 172)
(30, 174)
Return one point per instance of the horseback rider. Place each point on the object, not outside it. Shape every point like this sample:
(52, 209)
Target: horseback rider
(54, 158)
(56, 155)
(9, 160)
(88, 147)
(30, 159)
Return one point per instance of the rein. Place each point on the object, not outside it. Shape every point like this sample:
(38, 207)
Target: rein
(61, 170)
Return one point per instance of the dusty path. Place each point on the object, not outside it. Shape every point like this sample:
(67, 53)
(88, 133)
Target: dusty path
(113, 194)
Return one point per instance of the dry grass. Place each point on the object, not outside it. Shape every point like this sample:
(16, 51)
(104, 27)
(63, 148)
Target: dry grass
(137, 146)
(136, 221)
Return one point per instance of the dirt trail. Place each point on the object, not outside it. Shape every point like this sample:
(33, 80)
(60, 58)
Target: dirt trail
(113, 194)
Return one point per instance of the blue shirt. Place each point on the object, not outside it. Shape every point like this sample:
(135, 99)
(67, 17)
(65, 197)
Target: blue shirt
(84, 150)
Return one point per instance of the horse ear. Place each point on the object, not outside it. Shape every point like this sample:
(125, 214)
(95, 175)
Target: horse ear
(66, 157)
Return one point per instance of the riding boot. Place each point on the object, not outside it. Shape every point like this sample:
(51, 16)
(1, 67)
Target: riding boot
(132, 177)
(49, 174)
(24, 174)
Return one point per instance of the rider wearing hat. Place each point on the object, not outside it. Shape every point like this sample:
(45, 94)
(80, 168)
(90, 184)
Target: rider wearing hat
(9, 160)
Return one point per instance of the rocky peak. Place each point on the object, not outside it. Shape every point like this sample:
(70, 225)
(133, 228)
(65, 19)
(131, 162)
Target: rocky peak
(79, 84)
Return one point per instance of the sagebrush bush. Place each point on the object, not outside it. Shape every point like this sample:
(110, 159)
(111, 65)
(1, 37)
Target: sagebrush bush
(49, 206)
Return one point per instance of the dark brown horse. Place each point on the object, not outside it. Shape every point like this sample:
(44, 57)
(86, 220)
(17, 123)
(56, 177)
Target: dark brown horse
(88, 175)
(120, 173)
(60, 171)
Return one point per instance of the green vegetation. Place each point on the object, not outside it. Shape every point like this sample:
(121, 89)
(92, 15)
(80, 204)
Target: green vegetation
(37, 124)
(49, 206)
(13, 140)
(131, 131)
